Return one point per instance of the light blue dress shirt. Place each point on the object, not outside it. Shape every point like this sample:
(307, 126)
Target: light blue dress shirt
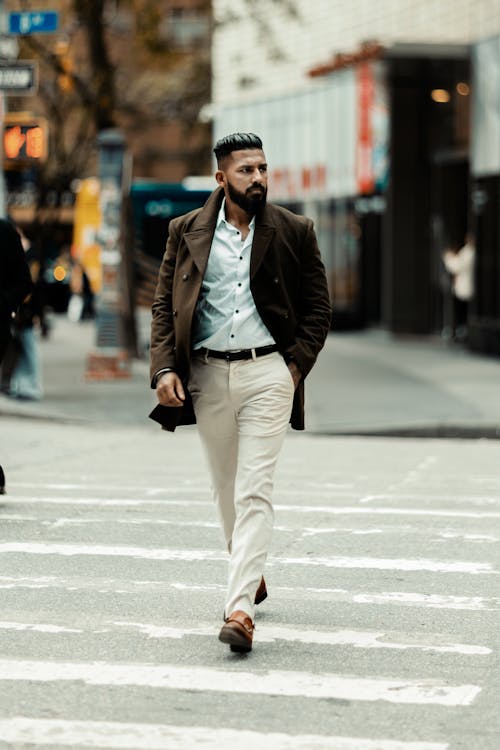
(226, 318)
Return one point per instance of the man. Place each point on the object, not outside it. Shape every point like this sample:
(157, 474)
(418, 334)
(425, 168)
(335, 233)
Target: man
(240, 313)
(15, 286)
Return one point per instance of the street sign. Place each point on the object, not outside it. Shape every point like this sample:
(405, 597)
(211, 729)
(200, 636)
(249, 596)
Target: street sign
(33, 22)
(19, 77)
(9, 47)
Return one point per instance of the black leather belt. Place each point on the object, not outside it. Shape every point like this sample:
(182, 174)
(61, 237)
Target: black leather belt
(259, 351)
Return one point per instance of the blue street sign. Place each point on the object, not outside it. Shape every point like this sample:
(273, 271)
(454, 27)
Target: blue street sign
(33, 22)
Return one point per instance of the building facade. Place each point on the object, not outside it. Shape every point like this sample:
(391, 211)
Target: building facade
(365, 111)
(262, 48)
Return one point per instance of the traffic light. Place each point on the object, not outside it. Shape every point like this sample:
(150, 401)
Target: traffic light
(24, 139)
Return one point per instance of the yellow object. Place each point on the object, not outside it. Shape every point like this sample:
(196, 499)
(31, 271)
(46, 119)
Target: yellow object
(87, 220)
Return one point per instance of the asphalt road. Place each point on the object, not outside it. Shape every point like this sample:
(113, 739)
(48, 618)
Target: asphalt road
(381, 630)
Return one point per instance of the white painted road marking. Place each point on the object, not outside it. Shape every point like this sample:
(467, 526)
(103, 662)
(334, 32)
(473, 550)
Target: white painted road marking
(364, 639)
(270, 682)
(391, 598)
(182, 486)
(357, 510)
(445, 535)
(103, 502)
(193, 555)
(355, 638)
(380, 563)
(38, 628)
(123, 736)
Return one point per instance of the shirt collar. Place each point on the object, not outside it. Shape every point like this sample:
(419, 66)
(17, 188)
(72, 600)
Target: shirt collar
(222, 216)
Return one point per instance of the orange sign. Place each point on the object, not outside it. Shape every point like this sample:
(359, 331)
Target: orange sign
(366, 90)
(25, 142)
(13, 142)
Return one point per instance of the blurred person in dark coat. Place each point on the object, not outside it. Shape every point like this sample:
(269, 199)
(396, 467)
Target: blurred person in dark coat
(15, 286)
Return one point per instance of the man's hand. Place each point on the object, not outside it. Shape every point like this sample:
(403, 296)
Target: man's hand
(295, 373)
(169, 390)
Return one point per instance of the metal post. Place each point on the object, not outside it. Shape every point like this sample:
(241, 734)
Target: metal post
(3, 197)
(111, 359)
(3, 191)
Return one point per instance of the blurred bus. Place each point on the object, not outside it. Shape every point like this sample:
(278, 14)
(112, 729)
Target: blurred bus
(152, 206)
(149, 208)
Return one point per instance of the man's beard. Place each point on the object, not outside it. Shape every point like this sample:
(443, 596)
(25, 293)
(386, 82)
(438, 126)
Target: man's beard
(252, 201)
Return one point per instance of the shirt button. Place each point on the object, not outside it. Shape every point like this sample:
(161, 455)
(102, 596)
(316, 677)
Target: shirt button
(185, 277)
(239, 283)
(236, 311)
(232, 335)
(276, 280)
(241, 257)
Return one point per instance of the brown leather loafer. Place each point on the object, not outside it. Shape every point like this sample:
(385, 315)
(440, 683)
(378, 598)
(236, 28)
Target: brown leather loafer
(261, 592)
(237, 632)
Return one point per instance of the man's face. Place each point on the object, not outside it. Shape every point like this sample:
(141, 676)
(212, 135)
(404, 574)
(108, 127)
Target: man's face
(243, 175)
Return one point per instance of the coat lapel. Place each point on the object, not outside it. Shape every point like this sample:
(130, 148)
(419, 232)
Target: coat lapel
(199, 238)
(199, 242)
(264, 234)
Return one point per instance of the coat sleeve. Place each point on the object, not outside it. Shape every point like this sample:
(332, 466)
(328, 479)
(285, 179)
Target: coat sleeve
(162, 326)
(314, 308)
(17, 284)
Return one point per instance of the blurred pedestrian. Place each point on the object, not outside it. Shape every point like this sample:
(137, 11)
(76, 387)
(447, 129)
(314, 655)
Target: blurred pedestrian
(460, 265)
(25, 376)
(81, 303)
(15, 286)
(240, 313)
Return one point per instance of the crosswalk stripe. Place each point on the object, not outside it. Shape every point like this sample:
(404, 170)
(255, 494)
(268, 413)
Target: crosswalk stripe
(321, 488)
(193, 555)
(123, 736)
(381, 530)
(179, 486)
(103, 502)
(367, 510)
(38, 627)
(269, 682)
(380, 563)
(392, 598)
(363, 639)
(355, 638)
(357, 510)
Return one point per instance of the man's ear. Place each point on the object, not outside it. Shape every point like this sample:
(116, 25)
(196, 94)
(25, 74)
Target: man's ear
(220, 177)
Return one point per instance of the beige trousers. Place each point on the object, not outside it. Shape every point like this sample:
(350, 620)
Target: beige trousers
(242, 411)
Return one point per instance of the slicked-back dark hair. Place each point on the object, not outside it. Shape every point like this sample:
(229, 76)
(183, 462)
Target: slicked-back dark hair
(235, 142)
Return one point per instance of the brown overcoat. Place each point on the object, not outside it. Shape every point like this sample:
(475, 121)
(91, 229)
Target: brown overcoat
(288, 284)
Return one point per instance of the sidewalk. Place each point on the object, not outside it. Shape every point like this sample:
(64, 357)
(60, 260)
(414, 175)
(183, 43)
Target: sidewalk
(372, 383)
(364, 383)
(68, 397)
